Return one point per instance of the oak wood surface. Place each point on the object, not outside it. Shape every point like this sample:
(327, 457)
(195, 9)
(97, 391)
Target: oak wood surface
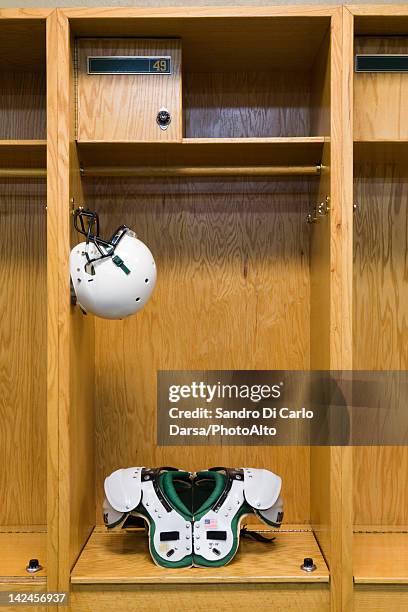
(217, 40)
(23, 155)
(283, 597)
(380, 327)
(22, 104)
(19, 585)
(382, 152)
(73, 427)
(53, 217)
(380, 109)
(247, 104)
(16, 550)
(203, 152)
(23, 365)
(331, 333)
(22, 40)
(120, 558)
(80, 411)
(380, 598)
(380, 558)
(237, 251)
(379, 19)
(124, 107)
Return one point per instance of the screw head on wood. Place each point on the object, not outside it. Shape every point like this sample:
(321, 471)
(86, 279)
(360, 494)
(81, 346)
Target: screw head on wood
(308, 565)
(33, 566)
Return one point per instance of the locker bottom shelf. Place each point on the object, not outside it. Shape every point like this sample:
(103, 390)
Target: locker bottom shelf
(123, 558)
(380, 558)
(18, 545)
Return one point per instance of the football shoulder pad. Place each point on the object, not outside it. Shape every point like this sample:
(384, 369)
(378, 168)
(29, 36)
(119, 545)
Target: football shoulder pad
(123, 489)
(261, 488)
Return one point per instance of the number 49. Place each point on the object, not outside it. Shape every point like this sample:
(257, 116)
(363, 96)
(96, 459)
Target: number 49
(160, 65)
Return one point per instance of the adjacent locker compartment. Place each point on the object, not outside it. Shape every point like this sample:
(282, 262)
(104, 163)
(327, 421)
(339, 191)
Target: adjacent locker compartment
(23, 302)
(380, 298)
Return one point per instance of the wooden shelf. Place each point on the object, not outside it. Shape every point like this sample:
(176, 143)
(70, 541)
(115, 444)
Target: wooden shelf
(17, 548)
(380, 558)
(123, 558)
(23, 154)
(273, 140)
(204, 151)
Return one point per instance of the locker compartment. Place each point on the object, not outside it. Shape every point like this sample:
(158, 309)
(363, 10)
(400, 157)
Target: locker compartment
(224, 211)
(380, 293)
(381, 98)
(114, 104)
(23, 301)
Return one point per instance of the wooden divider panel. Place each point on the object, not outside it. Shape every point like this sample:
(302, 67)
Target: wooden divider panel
(23, 363)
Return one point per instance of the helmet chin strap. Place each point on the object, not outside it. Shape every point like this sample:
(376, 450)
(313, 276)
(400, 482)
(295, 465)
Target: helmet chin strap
(119, 262)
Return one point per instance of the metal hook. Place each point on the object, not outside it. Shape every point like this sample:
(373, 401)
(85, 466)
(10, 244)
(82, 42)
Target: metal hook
(324, 207)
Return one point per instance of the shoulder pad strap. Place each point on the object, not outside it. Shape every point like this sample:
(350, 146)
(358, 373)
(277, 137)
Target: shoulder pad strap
(123, 489)
(261, 488)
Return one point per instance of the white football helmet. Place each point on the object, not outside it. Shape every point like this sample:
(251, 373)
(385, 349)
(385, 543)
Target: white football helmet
(113, 278)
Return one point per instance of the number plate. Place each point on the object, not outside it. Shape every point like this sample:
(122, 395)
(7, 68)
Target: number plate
(381, 63)
(129, 64)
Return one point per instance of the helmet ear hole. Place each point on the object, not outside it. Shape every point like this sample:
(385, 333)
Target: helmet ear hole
(146, 280)
(138, 299)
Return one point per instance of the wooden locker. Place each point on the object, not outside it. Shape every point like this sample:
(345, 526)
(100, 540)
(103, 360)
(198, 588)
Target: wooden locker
(124, 107)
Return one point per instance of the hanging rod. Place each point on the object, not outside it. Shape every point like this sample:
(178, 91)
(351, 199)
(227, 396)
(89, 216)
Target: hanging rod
(175, 171)
(22, 172)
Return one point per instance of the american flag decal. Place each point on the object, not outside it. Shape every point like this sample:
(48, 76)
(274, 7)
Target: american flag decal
(210, 523)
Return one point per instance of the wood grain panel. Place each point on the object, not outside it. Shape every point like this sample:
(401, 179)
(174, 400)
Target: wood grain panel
(124, 107)
(376, 598)
(22, 105)
(332, 506)
(22, 40)
(123, 558)
(246, 104)
(380, 19)
(320, 464)
(211, 35)
(381, 327)
(34, 587)
(23, 365)
(53, 223)
(232, 293)
(380, 558)
(321, 88)
(380, 108)
(284, 598)
(73, 520)
(16, 550)
(204, 152)
(23, 154)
